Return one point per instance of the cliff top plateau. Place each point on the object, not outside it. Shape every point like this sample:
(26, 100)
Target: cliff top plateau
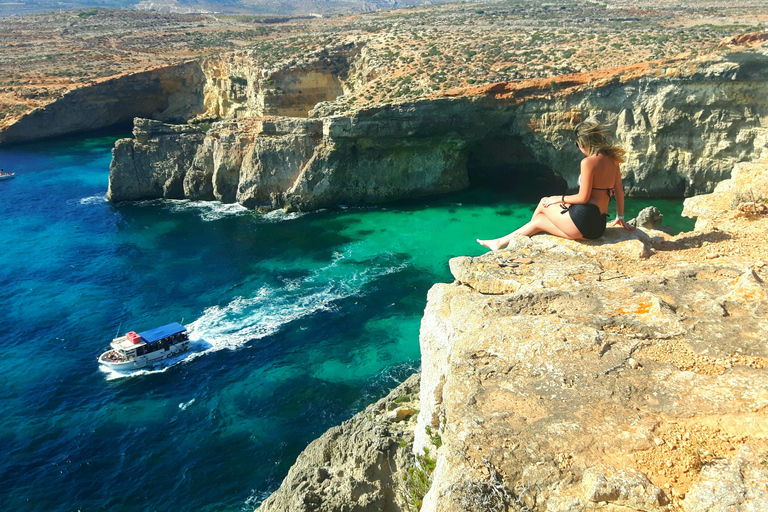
(408, 53)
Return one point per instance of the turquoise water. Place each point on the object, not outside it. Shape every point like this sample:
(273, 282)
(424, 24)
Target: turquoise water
(303, 319)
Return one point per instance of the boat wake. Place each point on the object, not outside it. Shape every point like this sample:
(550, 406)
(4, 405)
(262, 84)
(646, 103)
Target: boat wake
(270, 308)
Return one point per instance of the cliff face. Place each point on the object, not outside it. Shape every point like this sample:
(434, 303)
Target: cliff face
(357, 466)
(574, 376)
(684, 126)
(172, 93)
(237, 86)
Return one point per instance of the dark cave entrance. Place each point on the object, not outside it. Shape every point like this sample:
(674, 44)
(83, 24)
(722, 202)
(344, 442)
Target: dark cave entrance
(505, 164)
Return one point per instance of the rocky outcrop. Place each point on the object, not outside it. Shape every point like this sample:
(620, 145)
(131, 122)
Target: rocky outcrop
(571, 376)
(292, 162)
(629, 373)
(357, 466)
(165, 176)
(172, 93)
(684, 125)
(238, 86)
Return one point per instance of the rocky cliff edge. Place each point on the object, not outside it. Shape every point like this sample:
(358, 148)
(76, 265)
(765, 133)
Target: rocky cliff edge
(629, 373)
(685, 124)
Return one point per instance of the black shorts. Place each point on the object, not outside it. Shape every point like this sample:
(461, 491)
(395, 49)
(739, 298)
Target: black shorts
(588, 220)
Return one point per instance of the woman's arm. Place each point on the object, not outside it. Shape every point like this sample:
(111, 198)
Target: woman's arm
(585, 189)
(618, 193)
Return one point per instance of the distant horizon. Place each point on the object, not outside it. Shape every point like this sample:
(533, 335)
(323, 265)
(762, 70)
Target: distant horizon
(230, 7)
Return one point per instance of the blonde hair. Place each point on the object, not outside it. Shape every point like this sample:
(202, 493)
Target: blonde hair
(594, 138)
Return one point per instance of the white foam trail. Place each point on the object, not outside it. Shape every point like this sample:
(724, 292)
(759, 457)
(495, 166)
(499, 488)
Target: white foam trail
(245, 319)
(94, 199)
(251, 318)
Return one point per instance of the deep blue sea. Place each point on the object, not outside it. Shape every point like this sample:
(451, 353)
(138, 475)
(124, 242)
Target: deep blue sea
(303, 319)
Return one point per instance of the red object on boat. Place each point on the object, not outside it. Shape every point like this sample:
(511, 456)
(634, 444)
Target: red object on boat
(133, 337)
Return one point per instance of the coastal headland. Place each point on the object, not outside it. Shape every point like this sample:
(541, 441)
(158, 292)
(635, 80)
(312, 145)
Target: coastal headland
(629, 373)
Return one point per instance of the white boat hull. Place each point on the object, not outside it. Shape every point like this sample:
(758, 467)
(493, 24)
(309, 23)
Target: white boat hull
(7, 176)
(144, 360)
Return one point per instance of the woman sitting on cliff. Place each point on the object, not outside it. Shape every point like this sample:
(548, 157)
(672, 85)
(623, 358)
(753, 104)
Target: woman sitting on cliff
(584, 214)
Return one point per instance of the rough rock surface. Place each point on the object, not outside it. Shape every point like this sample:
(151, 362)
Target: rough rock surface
(161, 172)
(574, 376)
(579, 376)
(236, 86)
(357, 466)
(648, 218)
(171, 93)
(684, 126)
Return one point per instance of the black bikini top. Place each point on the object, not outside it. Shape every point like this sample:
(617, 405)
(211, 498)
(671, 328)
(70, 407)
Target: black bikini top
(609, 190)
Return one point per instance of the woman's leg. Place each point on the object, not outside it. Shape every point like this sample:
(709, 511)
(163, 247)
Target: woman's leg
(541, 224)
(548, 220)
(499, 243)
(554, 222)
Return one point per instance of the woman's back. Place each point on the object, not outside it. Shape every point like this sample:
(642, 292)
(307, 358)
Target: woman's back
(600, 173)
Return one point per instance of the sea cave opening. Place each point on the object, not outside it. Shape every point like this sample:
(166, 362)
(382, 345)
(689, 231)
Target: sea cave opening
(505, 164)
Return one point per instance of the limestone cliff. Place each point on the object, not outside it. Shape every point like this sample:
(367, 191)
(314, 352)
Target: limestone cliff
(629, 373)
(172, 93)
(357, 466)
(238, 85)
(684, 125)
(570, 376)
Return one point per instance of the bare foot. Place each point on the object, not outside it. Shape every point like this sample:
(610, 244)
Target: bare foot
(493, 245)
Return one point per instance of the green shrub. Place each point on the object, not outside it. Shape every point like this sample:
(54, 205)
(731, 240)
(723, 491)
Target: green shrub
(417, 481)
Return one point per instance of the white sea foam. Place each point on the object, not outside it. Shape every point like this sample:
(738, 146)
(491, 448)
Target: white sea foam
(208, 210)
(254, 500)
(280, 216)
(94, 199)
(183, 406)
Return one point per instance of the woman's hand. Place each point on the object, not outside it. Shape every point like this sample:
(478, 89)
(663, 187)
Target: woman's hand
(620, 222)
(549, 201)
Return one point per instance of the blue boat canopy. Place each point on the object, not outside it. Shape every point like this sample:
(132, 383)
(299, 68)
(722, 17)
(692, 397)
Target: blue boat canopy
(159, 333)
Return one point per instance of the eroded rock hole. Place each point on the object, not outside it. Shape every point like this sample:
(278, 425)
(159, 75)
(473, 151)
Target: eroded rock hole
(506, 164)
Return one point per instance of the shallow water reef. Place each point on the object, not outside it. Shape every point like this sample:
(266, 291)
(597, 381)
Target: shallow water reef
(684, 124)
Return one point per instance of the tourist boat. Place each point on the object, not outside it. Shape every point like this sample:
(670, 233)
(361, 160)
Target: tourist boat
(137, 350)
(7, 175)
